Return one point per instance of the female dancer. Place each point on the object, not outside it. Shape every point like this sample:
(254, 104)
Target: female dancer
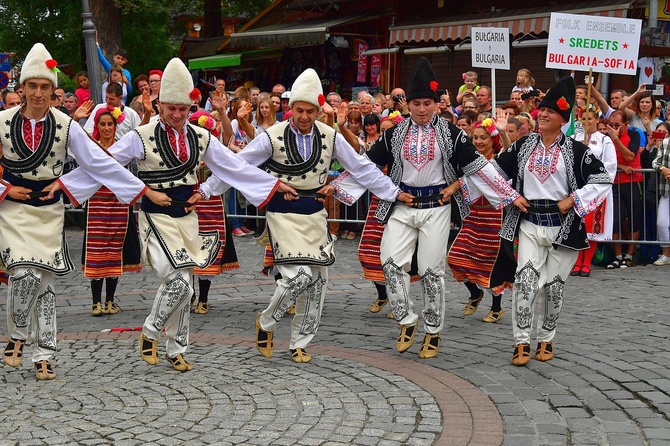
(479, 257)
(111, 243)
(211, 218)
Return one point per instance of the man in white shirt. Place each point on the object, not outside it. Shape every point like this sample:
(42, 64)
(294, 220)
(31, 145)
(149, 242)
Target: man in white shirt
(299, 151)
(113, 98)
(169, 152)
(424, 156)
(35, 138)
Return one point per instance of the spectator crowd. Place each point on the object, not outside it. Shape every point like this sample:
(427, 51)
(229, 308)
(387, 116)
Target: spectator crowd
(628, 136)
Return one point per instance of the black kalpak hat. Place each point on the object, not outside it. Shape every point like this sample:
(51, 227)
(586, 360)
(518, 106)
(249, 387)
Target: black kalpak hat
(422, 81)
(561, 97)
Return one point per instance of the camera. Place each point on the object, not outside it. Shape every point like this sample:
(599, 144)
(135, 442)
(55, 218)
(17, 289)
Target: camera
(398, 98)
(655, 89)
(531, 94)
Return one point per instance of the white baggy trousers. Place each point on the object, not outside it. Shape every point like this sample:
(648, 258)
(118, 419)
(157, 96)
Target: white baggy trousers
(304, 286)
(427, 231)
(541, 272)
(31, 307)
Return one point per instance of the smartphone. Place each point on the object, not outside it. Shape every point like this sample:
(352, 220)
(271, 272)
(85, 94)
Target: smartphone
(656, 89)
(658, 135)
(530, 94)
(586, 80)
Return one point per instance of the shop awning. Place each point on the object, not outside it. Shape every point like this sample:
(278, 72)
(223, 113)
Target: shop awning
(519, 21)
(216, 61)
(293, 33)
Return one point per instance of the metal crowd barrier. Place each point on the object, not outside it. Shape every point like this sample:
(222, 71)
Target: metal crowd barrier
(646, 191)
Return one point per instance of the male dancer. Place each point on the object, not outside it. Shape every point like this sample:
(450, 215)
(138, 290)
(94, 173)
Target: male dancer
(563, 182)
(169, 152)
(424, 155)
(299, 152)
(35, 138)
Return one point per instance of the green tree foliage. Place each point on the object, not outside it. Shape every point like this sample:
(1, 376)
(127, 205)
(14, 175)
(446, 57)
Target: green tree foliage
(244, 8)
(150, 43)
(146, 29)
(57, 24)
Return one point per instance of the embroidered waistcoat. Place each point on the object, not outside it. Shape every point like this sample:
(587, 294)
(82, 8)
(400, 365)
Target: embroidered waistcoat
(48, 159)
(160, 167)
(453, 159)
(581, 168)
(286, 163)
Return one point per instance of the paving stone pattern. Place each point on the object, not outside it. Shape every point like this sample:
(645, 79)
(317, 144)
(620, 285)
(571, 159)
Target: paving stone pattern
(608, 385)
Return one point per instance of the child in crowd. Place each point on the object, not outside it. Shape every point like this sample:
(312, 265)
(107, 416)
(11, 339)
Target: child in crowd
(469, 86)
(121, 59)
(524, 81)
(115, 75)
(82, 92)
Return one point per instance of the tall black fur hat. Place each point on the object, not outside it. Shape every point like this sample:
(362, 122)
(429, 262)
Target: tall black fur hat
(561, 97)
(422, 81)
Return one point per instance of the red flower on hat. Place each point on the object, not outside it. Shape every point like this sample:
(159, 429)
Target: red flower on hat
(562, 103)
(51, 64)
(194, 94)
(321, 99)
(433, 85)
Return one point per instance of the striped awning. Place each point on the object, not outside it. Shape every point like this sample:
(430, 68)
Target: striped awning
(519, 22)
(293, 33)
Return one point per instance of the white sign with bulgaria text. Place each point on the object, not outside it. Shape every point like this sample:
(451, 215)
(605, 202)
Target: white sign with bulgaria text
(583, 42)
(490, 47)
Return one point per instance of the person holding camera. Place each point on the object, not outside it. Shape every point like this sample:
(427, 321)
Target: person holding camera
(399, 103)
(646, 116)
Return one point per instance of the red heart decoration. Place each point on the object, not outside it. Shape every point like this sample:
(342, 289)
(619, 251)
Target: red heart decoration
(648, 71)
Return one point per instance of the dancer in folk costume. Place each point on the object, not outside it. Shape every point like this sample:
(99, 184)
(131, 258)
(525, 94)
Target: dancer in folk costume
(369, 255)
(479, 257)
(299, 151)
(599, 223)
(562, 181)
(168, 153)
(35, 140)
(111, 243)
(4, 278)
(423, 155)
(211, 217)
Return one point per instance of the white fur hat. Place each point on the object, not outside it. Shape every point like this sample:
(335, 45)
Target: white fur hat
(39, 65)
(307, 87)
(177, 84)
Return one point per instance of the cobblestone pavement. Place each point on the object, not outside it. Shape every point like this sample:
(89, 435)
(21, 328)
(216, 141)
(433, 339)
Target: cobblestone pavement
(608, 384)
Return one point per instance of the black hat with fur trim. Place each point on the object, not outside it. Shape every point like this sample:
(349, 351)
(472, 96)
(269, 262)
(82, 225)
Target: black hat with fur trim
(561, 97)
(422, 81)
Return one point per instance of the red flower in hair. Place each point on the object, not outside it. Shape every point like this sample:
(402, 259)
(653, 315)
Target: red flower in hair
(194, 94)
(433, 85)
(321, 99)
(51, 64)
(562, 103)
